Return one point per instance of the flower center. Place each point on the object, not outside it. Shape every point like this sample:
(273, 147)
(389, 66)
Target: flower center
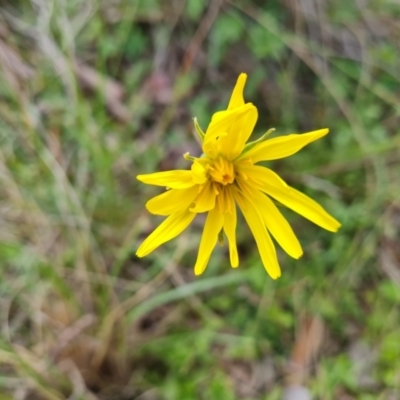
(222, 171)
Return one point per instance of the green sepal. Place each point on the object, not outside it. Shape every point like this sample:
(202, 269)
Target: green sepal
(221, 237)
(199, 131)
(250, 145)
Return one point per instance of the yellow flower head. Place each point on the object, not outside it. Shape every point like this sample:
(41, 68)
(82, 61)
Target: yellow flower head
(228, 175)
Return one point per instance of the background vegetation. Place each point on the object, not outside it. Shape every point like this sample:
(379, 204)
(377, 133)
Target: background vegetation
(93, 93)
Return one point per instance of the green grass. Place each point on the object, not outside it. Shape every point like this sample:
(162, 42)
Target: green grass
(93, 93)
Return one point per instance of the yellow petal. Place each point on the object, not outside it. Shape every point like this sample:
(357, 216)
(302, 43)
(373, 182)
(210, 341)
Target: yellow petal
(230, 231)
(303, 205)
(282, 146)
(199, 173)
(172, 201)
(276, 224)
(258, 174)
(264, 242)
(239, 132)
(209, 239)
(178, 179)
(169, 228)
(225, 199)
(205, 200)
(237, 94)
(219, 127)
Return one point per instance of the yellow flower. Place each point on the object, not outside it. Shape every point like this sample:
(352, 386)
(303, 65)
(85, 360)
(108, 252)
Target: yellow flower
(227, 174)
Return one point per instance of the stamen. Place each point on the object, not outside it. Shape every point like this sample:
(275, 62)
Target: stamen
(221, 237)
(221, 171)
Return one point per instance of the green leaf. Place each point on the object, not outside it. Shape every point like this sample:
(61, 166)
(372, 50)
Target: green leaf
(194, 9)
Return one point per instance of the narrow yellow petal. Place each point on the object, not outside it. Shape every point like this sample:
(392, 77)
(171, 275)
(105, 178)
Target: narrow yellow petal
(237, 94)
(172, 201)
(258, 174)
(282, 146)
(178, 179)
(167, 230)
(303, 205)
(276, 224)
(230, 230)
(219, 127)
(239, 132)
(205, 200)
(209, 239)
(264, 242)
(199, 173)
